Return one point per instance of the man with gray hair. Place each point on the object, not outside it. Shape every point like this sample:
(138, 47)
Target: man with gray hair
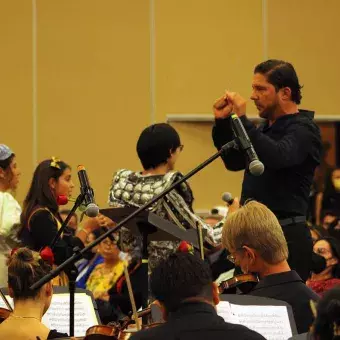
(253, 236)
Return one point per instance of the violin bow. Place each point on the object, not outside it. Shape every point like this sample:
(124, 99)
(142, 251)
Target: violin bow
(130, 290)
(6, 301)
(132, 298)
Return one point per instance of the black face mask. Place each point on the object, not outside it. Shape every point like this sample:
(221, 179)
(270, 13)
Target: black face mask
(88, 255)
(319, 263)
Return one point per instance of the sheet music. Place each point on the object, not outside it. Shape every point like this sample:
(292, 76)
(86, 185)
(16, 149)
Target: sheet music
(57, 316)
(270, 321)
(10, 301)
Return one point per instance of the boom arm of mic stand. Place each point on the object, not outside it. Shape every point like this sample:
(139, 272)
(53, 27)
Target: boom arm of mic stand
(79, 253)
(76, 205)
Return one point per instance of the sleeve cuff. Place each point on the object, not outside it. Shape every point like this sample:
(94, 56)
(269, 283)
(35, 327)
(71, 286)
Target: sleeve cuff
(248, 124)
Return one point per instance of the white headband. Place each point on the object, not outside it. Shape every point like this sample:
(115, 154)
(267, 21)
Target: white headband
(5, 152)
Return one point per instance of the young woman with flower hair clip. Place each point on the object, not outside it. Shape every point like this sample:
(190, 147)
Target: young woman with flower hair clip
(24, 268)
(40, 219)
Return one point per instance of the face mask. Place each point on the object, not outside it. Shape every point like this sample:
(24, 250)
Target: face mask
(336, 183)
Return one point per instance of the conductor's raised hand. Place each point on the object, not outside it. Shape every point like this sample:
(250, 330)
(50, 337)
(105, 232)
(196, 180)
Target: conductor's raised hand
(238, 103)
(222, 108)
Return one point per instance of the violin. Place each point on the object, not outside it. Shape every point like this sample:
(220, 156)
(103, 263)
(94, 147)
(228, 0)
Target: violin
(237, 280)
(117, 330)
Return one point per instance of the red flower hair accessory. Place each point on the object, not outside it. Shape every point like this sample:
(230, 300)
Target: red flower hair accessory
(185, 247)
(47, 255)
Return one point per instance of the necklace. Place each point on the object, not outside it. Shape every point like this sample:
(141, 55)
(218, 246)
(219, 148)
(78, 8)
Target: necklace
(24, 317)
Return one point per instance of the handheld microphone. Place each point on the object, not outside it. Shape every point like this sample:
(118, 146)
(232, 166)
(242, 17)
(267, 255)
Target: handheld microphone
(228, 198)
(256, 167)
(92, 209)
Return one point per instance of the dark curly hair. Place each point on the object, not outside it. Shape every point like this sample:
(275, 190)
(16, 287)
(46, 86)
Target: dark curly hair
(181, 276)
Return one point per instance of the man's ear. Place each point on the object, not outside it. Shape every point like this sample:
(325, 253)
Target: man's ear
(216, 293)
(286, 93)
(251, 254)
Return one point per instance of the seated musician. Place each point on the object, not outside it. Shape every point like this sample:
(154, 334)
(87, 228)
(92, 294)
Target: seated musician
(105, 275)
(25, 267)
(158, 148)
(256, 243)
(107, 281)
(184, 288)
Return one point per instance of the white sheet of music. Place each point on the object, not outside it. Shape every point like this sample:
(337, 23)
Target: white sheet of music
(270, 321)
(58, 315)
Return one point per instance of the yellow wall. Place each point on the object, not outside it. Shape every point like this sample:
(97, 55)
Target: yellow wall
(105, 69)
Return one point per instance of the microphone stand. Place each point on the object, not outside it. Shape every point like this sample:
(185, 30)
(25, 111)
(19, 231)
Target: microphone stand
(76, 205)
(77, 254)
(72, 273)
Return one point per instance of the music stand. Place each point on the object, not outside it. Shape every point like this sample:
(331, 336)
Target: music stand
(151, 227)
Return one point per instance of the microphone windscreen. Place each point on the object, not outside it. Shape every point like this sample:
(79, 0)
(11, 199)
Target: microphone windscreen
(62, 200)
(92, 210)
(228, 197)
(256, 168)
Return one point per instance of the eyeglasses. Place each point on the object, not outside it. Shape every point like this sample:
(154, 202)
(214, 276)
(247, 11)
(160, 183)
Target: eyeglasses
(231, 257)
(323, 251)
(109, 243)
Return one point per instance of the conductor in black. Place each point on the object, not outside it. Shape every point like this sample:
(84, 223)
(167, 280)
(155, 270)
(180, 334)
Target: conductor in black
(287, 142)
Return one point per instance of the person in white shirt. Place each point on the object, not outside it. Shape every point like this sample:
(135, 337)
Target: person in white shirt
(10, 209)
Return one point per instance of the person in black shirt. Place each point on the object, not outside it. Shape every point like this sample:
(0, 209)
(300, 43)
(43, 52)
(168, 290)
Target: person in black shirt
(289, 145)
(24, 268)
(256, 243)
(183, 286)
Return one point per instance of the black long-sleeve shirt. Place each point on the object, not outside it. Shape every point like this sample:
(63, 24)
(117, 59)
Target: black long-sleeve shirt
(290, 151)
(43, 229)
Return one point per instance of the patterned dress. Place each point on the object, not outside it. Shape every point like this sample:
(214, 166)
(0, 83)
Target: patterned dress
(101, 281)
(132, 189)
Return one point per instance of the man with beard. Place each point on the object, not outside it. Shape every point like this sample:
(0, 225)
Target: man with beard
(288, 143)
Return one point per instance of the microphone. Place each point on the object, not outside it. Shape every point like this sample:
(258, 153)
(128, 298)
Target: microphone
(92, 209)
(228, 198)
(256, 167)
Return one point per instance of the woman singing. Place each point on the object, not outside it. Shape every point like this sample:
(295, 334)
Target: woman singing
(40, 219)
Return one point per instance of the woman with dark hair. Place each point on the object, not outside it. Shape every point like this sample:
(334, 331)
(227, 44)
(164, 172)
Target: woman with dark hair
(10, 209)
(329, 248)
(40, 219)
(24, 268)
